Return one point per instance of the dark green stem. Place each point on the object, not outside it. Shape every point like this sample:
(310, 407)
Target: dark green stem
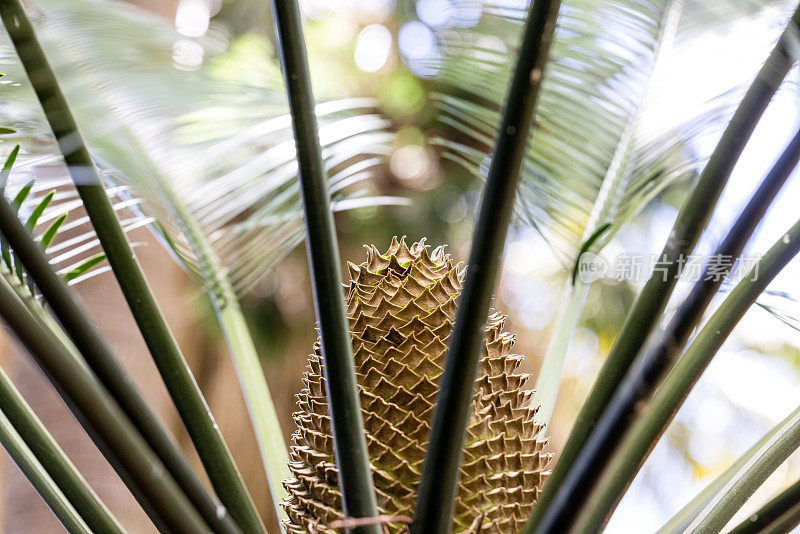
(692, 219)
(264, 418)
(780, 515)
(670, 396)
(103, 363)
(172, 366)
(442, 467)
(691, 510)
(119, 441)
(40, 479)
(653, 363)
(637, 443)
(344, 406)
(53, 460)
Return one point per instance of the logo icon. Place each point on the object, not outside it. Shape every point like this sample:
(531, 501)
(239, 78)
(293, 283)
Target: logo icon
(591, 267)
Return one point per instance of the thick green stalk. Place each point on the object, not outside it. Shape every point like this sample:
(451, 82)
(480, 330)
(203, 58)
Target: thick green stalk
(103, 363)
(266, 425)
(119, 441)
(344, 406)
(40, 479)
(76, 361)
(781, 514)
(692, 219)
(175, 372)
(643, 436)
(263, 416)
(657, 358)
(255, 390)
(438, 487)
(53, 459)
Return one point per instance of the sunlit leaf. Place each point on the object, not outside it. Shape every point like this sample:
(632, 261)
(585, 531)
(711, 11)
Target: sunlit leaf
(37, 212)
(52, 230)
(83, 266)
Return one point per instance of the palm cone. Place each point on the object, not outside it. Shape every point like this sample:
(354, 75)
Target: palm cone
(401, 307)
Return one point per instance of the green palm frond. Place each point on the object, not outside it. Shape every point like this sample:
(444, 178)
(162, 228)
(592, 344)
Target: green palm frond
(45, 200)
(231, 165)
(595, 160)
(209, 150)
(591, 161)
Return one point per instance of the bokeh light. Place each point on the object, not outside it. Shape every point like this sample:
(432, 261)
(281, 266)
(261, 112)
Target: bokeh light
(187, 54)
(373, 47)
(438, 14)
(192, 17)
(414, 165)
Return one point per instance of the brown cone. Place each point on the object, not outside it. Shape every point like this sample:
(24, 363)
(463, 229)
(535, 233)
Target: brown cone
(401, 307)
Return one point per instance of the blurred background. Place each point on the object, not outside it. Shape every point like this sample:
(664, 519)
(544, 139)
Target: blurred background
(396, 52)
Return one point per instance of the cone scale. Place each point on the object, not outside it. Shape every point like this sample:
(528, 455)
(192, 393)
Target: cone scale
(401, 306)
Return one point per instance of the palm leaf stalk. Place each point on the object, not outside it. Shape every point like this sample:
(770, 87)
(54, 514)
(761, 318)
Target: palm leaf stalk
(655, 362)
(175, 372)
(638, 441)
(441, 469)
(344, 405)
(206, 264)
(40, 479)
(680, 521)
(692, 219)
(23, 421)
(103, 363)
(548, 379)
(255, 390)
(781, 514)
(211, 272)
(740, 488)
(606, 206)
(145, 475)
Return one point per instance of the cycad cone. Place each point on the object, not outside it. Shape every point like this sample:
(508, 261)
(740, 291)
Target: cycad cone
(401, 307)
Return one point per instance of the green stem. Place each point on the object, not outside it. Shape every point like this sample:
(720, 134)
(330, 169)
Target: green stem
(255, 390)
(172, 366)
(649, 306)
(119, 441)
(549, 376)
(266, 425)
(442, 466)
(657, 360)
(40, 479)
(658, 357)
(103, 363)
(645, 433)
(344, 406)
(781, 514)
(53, 459)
